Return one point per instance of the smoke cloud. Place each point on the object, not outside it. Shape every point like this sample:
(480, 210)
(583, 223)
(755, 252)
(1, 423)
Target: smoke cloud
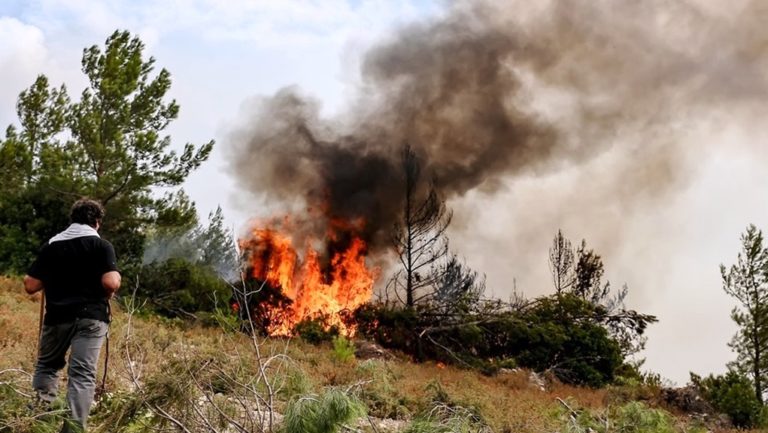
(492, 93)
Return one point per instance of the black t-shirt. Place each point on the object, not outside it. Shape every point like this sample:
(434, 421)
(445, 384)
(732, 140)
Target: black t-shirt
(71, 272)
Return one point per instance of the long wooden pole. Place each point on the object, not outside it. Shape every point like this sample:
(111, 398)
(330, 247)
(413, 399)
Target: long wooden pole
(40, 329)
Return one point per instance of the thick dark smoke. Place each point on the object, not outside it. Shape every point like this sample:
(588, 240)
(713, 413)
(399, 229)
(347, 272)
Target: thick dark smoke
(494, 90)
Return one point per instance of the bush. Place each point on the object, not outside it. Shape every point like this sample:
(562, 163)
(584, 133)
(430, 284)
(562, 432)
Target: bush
(316, 331)
(633, 417)
(559, 334)
(734, 395)
(381, 395)
(445, 418)
(178, 288)
(321, 414)
(390, 327)
(343, 349)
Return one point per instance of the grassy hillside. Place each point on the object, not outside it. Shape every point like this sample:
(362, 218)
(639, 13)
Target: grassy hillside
(168, 376)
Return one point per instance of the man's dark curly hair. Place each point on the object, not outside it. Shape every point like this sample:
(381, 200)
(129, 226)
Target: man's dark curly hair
(87, 211)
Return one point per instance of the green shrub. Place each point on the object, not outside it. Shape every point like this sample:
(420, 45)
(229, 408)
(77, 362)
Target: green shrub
(294, 382)
(326, 413)
(316, 330)
(734, 395)
(633, 417)
(380, 393)
(444, 418)
(343, 349)
(391, 327)
(178, 288)
(559, 334)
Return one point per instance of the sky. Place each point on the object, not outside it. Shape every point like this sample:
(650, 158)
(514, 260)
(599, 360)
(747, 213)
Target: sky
(224, 55)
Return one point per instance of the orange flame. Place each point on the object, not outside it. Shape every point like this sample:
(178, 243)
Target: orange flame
(343, 284)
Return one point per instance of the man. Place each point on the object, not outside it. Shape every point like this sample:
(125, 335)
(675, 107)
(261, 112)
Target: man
(77, 270)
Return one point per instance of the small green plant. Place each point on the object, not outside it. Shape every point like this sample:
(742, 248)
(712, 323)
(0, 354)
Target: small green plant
(294, 382)
(325, 413)
(448, 419)
(633, 417)
(18, 416)
(343, 349)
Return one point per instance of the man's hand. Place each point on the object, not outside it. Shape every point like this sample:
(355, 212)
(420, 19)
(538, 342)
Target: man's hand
(111, 282)
(32, 285)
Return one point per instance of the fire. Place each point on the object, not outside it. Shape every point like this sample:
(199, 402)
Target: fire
(317, 286)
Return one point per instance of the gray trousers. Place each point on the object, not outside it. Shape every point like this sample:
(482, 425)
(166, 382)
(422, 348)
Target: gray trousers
(84, 337)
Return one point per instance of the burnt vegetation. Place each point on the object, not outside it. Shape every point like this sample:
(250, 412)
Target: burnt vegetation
(435, 307)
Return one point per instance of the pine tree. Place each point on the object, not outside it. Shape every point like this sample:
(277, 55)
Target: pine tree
(419, 237)
(561, 263)
(747, 281)
(108, 144)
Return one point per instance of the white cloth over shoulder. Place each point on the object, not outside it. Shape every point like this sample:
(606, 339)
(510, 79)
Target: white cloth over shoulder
(75, 231)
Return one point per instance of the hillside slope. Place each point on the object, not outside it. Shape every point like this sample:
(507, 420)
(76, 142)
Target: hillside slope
(169, 376)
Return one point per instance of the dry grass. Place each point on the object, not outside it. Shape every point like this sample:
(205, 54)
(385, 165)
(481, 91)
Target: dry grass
(396, 388)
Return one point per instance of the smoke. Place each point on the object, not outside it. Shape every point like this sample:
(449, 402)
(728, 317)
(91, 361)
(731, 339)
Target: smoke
(496, 92)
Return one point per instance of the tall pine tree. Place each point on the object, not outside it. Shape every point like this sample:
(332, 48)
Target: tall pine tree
(747, 281)
(108, 144)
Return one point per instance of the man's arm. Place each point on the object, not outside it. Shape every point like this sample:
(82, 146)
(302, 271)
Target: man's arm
(32, 285)
(111, 282)
(110, 277)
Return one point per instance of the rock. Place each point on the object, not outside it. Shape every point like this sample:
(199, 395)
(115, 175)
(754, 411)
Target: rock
(537, 381)
(686, 399)
(368, 350)
(382, 424)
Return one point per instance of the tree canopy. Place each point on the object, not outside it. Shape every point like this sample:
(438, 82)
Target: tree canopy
(747, 282)
(109, 144)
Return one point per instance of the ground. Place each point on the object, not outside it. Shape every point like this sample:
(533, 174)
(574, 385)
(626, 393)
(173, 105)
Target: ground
(162, 372)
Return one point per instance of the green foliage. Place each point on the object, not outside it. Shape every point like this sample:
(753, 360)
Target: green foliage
(16, 415)
(633, 417)
(178, 288)
(443, 417)
(733, 394)
(187, 266)
(325, 413)
(343, 349)
(316, 330)
(380, 393)
(225, 317)
(558, 334)
(747, 282)
(391, 327)
(632, 385)
(582, 334)
(294, 383)
(580, 273)
(107, 145)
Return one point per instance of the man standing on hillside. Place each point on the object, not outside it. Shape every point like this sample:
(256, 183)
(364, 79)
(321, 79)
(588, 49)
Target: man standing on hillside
(77, 270)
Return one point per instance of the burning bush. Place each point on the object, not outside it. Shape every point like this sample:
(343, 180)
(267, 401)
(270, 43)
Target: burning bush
(291, 288)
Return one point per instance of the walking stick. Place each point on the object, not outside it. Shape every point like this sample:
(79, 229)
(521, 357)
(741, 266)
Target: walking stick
(102, 389)
(40, 325)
